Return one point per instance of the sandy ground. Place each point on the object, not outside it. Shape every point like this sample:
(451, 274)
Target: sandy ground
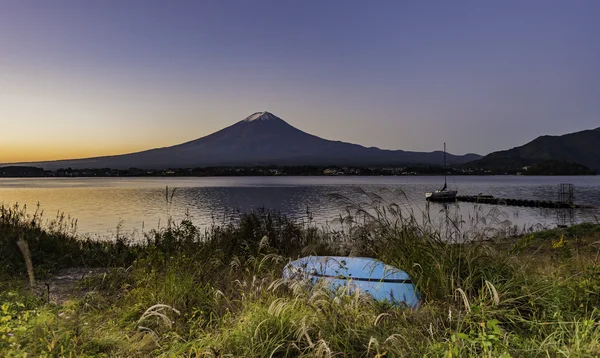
(64, 285)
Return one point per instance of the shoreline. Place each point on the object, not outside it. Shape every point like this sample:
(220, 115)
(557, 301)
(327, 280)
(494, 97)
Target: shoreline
(211, 293)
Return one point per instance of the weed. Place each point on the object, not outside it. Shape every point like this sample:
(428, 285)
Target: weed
(221, 293)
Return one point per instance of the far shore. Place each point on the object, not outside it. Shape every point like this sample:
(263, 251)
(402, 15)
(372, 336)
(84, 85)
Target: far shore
(261, 171)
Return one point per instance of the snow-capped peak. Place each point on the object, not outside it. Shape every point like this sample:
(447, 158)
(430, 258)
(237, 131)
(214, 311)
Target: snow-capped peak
(260, 116)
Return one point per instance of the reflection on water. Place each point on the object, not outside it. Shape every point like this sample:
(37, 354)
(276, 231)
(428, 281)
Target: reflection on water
(100, 204)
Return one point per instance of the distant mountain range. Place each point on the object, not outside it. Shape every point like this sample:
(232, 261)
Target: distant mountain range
(582, 148)
(261, 139)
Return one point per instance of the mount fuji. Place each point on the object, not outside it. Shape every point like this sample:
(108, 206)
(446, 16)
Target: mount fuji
(260, 139)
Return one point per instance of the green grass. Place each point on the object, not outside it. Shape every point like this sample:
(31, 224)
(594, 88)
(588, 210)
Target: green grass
(217, 292)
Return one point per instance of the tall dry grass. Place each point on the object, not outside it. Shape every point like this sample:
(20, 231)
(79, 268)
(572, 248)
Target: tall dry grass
(217, 291)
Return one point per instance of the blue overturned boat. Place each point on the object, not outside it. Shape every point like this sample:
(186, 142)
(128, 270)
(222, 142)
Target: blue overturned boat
(383, 282)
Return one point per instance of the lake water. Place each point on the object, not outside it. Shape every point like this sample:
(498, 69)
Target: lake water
(139, 204)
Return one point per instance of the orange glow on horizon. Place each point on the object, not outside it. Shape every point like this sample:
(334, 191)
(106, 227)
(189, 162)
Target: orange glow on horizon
(19, 154)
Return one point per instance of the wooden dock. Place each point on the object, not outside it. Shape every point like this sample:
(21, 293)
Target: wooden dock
(488, 199)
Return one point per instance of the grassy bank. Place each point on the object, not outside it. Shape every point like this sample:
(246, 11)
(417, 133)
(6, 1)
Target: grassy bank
(216, 292)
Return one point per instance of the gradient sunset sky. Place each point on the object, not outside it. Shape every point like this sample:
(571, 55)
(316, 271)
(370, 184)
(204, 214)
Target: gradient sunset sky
(88, 78)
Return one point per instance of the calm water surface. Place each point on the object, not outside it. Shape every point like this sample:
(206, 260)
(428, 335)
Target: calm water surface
(101, 204)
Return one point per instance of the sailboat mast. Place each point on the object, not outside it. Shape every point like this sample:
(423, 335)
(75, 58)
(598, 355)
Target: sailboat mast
(445, 165)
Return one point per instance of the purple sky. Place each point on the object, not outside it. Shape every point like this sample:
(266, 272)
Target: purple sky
(81, 78)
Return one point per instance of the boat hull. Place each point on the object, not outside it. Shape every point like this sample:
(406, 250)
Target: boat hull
(441, 196)
(371, 276)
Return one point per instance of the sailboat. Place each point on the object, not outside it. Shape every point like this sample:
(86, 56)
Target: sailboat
(444, 194)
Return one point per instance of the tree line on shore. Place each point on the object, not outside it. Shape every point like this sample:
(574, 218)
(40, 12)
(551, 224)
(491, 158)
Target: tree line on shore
(549, 167)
